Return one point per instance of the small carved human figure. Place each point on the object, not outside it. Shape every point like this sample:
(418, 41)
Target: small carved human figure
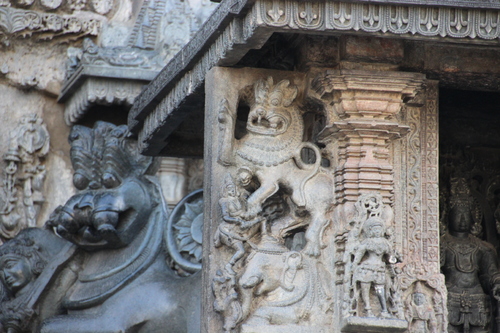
(234, 230)
(470, 266)
(20, 264)
(420, 313)
(372, 262)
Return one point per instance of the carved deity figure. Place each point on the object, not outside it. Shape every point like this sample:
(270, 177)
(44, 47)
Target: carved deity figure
(234, 230)
(371, 265)
(22, 262)
(370, 258)
(420, 313)
(470, 266)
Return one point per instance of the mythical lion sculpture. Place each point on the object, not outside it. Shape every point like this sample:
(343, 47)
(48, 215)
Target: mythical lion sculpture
(123, 280)
(270, 153)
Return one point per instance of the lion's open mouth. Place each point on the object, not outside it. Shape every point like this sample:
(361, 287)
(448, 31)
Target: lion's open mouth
(273, 125)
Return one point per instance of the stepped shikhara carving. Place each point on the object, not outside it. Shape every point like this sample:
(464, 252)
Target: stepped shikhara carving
(111, 255)
(24, 176)
(272, 210)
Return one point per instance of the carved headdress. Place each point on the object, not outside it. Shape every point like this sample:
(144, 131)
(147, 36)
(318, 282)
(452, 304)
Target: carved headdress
(460, 196)
(24, 246)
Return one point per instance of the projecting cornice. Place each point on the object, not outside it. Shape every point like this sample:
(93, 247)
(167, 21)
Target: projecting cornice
(238, 26)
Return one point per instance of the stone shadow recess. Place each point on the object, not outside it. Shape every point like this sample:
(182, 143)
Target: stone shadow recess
(469, 191)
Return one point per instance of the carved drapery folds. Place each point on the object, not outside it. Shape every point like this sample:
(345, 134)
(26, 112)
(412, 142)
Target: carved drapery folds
(24, 176)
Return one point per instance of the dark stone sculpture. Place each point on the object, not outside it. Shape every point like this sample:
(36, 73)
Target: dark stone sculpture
(27, 266)
(116, 226)
(470, 266)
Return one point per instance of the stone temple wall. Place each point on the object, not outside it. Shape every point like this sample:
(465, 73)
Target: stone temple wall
(41, 42)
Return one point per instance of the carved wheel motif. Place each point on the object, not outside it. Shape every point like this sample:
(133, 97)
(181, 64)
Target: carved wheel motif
(184, 232)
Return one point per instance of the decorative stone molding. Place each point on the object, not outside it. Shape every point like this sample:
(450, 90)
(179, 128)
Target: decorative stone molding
(21, 23)
(452, 3)
(101, 7)
(102, 91)
(137, 60)
(231, 38)
(24, 176)
(366, 104)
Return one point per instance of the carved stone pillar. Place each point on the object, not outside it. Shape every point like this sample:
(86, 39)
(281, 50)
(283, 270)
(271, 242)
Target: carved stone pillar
(172, 179)
(365, 109)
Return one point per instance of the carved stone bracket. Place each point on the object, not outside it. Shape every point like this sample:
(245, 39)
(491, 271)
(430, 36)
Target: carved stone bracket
(365, 108)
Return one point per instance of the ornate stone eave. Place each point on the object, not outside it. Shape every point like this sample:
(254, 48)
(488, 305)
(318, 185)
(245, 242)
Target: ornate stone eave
(453, 3)
(102, 85)
(230, 34)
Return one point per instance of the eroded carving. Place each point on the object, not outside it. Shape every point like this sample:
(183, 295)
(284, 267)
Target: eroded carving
(469, 264)
(24, 176)
(420, 313)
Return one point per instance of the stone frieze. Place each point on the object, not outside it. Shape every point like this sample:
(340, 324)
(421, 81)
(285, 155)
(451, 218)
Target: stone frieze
(46, 25)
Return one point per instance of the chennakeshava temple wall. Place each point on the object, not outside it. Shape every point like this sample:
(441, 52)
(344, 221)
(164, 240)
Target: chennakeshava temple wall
(350, 167)
(43, 43)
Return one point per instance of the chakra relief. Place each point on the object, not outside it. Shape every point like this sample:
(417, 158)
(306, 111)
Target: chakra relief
(274, 207)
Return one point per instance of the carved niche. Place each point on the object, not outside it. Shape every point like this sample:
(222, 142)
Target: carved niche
(24, 176)
(115, 270)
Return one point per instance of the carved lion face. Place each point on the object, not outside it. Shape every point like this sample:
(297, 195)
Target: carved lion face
(268, 120)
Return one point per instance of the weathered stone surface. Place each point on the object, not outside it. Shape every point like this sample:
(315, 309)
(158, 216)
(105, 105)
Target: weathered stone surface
(166, 102)
(112, 252)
